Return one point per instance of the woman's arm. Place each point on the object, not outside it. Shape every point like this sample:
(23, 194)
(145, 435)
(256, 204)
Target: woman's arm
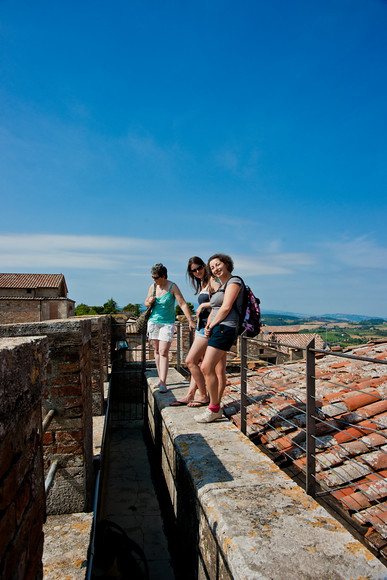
(150, 298)
(213, 286)
(230, 295)
(202, 306)
(183, 305)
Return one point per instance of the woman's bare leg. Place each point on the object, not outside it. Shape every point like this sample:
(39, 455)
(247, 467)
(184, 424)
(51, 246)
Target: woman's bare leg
(194, 356)
(163, 362)
(220, 371)
(155, 344)
(210, 361)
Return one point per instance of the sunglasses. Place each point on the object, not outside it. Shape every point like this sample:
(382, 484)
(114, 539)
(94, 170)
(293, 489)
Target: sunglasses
(155, 277)
(197, 269)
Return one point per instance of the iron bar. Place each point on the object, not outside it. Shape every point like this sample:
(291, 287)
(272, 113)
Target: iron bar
(310, 420)
(50, 476)
(47, 420)
(178, 346)
(143, 352)
(243, 356)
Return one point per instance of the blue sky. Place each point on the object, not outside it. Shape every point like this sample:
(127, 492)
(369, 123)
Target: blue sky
(136, 132)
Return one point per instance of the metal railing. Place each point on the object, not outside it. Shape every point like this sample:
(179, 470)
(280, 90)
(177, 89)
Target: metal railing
(303, 416)
(310, 437)
(49, 480)
(141, 353)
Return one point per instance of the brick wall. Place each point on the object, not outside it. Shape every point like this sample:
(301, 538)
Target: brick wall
(22, 499)
(34, 310)
(14, 311)
(67, 390)
(99, 358)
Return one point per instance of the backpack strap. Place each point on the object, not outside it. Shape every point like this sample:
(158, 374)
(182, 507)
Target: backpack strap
(243, 285)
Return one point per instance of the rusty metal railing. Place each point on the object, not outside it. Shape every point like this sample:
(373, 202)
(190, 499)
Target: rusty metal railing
(49, 480)
(310, 407)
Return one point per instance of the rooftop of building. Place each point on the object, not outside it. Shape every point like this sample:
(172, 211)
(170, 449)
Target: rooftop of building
(13, 280)
(351, 427)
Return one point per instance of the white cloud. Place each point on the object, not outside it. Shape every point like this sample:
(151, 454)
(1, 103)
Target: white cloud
(359, 253)
(273, 264)
(58, 252)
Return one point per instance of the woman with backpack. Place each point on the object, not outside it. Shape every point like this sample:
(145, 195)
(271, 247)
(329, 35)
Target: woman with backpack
(221, 330)
(204, 285)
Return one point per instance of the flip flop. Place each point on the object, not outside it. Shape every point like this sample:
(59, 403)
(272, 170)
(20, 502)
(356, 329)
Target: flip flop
(198, 404)
(178, 404)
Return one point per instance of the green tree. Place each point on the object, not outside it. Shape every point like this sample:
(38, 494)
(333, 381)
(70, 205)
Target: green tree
(179, 312)
(134, 309)
(96, 310)
(82, 309)
(110, 307)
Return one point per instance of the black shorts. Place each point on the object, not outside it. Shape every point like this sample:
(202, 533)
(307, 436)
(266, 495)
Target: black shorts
(222, 337)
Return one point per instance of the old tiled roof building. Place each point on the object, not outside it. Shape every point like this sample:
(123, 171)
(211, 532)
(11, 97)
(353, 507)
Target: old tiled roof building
(33, 298)
(351, 428)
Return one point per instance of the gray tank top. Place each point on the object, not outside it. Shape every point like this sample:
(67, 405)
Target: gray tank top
(217, 301)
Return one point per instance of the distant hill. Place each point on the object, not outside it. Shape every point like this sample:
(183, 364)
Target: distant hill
(352, 317)
(279, 318)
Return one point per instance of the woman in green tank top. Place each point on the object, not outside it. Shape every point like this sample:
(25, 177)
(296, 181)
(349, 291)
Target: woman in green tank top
(161, 323)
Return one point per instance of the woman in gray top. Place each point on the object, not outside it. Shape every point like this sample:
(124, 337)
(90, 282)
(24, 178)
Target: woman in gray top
(221, 329)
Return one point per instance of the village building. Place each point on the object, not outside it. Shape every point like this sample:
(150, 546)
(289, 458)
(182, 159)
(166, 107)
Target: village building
(33, 298)
(282, 344)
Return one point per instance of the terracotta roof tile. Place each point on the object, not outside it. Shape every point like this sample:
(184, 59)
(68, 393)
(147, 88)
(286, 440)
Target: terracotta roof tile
(351, 426)
(30, 280)
(354, 401)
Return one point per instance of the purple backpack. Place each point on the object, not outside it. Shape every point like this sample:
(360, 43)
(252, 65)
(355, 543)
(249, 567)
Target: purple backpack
(250, 312)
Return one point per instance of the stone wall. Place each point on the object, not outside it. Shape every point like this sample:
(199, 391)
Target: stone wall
(20, 310)
(22, 498)
(68, 390)
(237, 514)
(14, 311)
(99, 359)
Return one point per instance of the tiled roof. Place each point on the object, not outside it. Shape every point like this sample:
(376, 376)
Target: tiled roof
(24, 298)
(31, 280)
(295, 340)
(351, 428)
(280, 329)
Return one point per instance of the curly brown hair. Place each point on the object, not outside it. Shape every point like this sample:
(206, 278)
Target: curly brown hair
(227, 261)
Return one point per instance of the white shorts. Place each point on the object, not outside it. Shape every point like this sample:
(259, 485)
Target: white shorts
(160, 331)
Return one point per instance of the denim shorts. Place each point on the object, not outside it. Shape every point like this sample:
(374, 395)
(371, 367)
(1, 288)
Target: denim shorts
(222, 337)
(200, 333)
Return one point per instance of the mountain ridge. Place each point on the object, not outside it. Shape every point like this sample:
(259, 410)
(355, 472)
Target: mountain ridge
(335, 316)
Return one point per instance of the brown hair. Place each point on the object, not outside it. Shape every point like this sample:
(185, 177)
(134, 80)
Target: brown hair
(195, 282)
(227, 261)
(159, 270)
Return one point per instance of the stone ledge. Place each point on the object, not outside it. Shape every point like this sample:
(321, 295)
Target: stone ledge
(253, 521)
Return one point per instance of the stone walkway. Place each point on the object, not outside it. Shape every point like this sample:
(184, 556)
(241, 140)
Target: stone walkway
(129, 501)
(67, 536)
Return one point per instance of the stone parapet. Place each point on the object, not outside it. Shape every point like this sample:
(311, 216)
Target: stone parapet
(22, 499)
(67, 390)
(99, 360)
(238, 514)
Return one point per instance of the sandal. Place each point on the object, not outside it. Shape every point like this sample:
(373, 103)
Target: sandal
(198, 404)
(179, 403)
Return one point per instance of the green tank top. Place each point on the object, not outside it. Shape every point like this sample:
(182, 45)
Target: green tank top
(163, 312)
